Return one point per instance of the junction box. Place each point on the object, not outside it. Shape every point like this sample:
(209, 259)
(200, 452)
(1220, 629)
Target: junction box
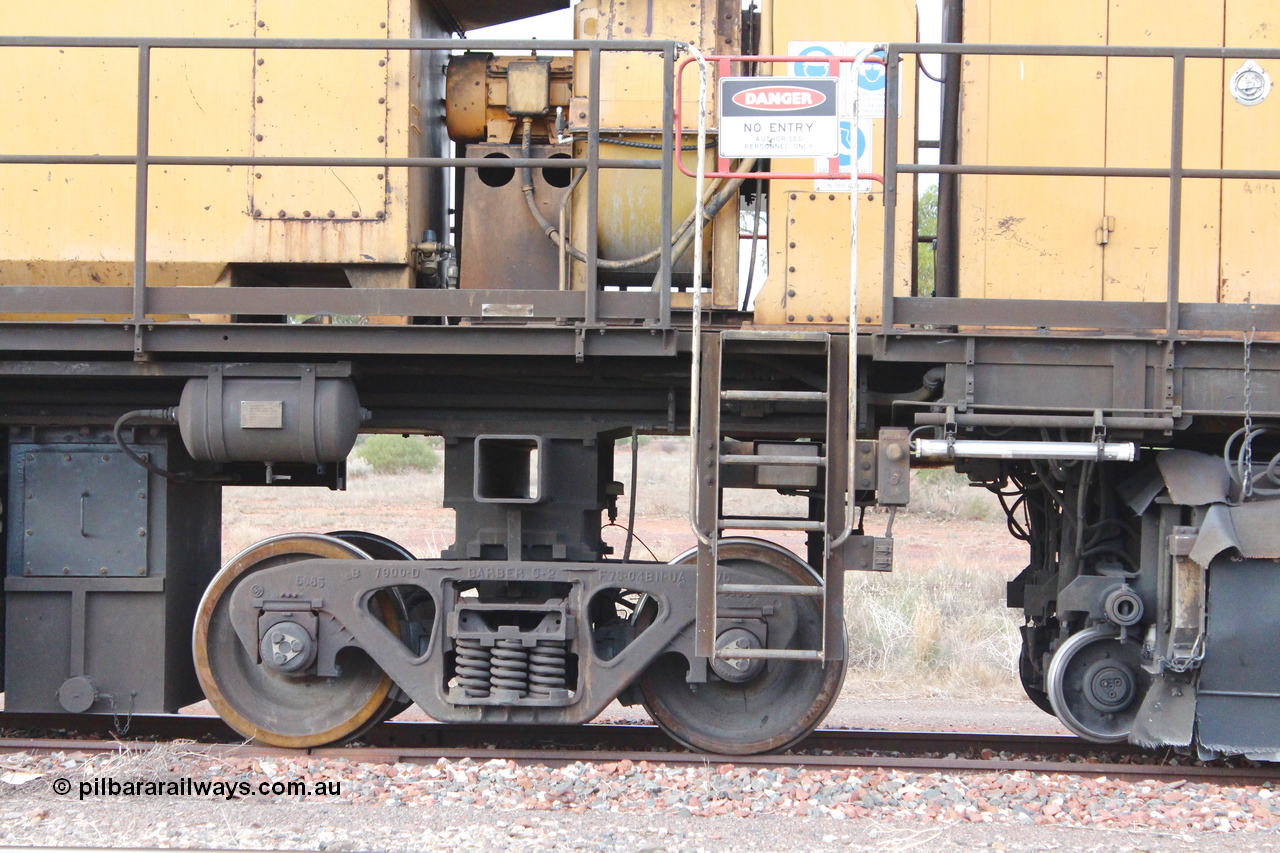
(105, 567)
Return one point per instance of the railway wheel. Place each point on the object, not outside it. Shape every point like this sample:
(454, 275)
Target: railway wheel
(272, 707)
(757, 706)
(414, 607)
(1096, 683)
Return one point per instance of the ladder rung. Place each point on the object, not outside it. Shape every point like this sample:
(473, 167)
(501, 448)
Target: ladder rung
(776, 396)
(755, 459)
(772, 335)
(769, 589)
(769, 654)
(771, 524)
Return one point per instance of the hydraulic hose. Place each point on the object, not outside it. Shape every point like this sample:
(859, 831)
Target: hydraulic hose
(168, 416)
(681, 239)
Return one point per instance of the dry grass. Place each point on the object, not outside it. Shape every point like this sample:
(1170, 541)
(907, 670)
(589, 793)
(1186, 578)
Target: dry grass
(939, 631)
(942, 493)
(662, 487)
(136, 762)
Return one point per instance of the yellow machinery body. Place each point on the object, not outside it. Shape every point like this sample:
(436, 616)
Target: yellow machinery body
(1020, 237)
(74, 224)
(1107, 238)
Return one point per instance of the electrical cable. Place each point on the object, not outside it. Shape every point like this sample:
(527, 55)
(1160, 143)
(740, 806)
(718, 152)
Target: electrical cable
(755, 242)
(168, 416)
(638, 539)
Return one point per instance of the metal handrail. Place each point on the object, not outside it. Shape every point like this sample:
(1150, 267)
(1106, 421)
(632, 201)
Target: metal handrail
(1175, 173)
(142, 158)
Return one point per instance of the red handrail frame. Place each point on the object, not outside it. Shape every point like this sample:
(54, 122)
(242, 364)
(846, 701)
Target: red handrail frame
(722, 163)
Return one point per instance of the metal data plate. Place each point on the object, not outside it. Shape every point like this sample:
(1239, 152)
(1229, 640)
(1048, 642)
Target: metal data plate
(84, 514)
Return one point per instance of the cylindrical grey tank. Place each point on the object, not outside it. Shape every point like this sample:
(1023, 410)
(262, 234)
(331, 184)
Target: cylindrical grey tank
(235, 419)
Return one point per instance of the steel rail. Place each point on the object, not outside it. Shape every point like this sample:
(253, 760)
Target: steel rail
(924, 752)
(421, 734)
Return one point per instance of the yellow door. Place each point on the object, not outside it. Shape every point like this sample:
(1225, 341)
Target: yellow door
(1032, 237)
(1139, 114)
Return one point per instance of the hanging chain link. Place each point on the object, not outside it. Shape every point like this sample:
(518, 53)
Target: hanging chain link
(1246, 474)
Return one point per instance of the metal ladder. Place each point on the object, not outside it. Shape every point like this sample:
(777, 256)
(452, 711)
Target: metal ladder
(707, 517)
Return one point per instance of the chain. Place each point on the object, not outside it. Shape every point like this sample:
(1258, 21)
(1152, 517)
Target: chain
(1246, 475)
(1186, 663)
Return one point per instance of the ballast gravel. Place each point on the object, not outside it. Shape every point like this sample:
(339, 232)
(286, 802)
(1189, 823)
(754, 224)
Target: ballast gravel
(470, 804)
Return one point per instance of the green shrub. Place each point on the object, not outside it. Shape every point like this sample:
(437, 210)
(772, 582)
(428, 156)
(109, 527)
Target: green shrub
(394, 454)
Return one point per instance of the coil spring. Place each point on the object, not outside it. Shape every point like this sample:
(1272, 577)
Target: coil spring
(510, 670)
(473, 667)
(547, 667)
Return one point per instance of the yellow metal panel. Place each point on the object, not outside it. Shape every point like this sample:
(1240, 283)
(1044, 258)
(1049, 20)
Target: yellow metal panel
(298, 92)
(1031, 238)
(1139, 115)
(76, 222)
(1250, 209)
(816, 257)
(632, 82)
(811, 277)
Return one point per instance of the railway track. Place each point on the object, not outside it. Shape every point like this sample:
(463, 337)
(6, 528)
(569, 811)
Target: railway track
(418, 742)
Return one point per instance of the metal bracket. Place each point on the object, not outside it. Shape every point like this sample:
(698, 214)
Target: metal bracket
(970, 356)
(1187, 611)
(869, 554)
(893, 468)
(949, 432)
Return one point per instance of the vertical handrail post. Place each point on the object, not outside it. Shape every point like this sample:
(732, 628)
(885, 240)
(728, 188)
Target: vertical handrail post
(1175, 193)
(671, 143)
(890, 186)
(142, 154)
(593, 184)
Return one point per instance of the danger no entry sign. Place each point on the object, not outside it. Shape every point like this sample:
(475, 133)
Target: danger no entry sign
(779, 117)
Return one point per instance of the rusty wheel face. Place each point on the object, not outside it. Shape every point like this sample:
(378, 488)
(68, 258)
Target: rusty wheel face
(285, 710)
(759, 706)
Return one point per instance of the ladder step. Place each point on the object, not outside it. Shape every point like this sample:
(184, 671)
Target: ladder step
(776, 396)
(753, 459)
(769, 589)
(771, 524)
(773, 335)
(770, 654)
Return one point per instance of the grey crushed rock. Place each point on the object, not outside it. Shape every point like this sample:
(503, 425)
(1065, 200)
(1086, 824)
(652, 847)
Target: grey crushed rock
(624, 806)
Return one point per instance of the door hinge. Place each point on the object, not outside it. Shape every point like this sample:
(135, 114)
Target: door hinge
(1104, 232)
